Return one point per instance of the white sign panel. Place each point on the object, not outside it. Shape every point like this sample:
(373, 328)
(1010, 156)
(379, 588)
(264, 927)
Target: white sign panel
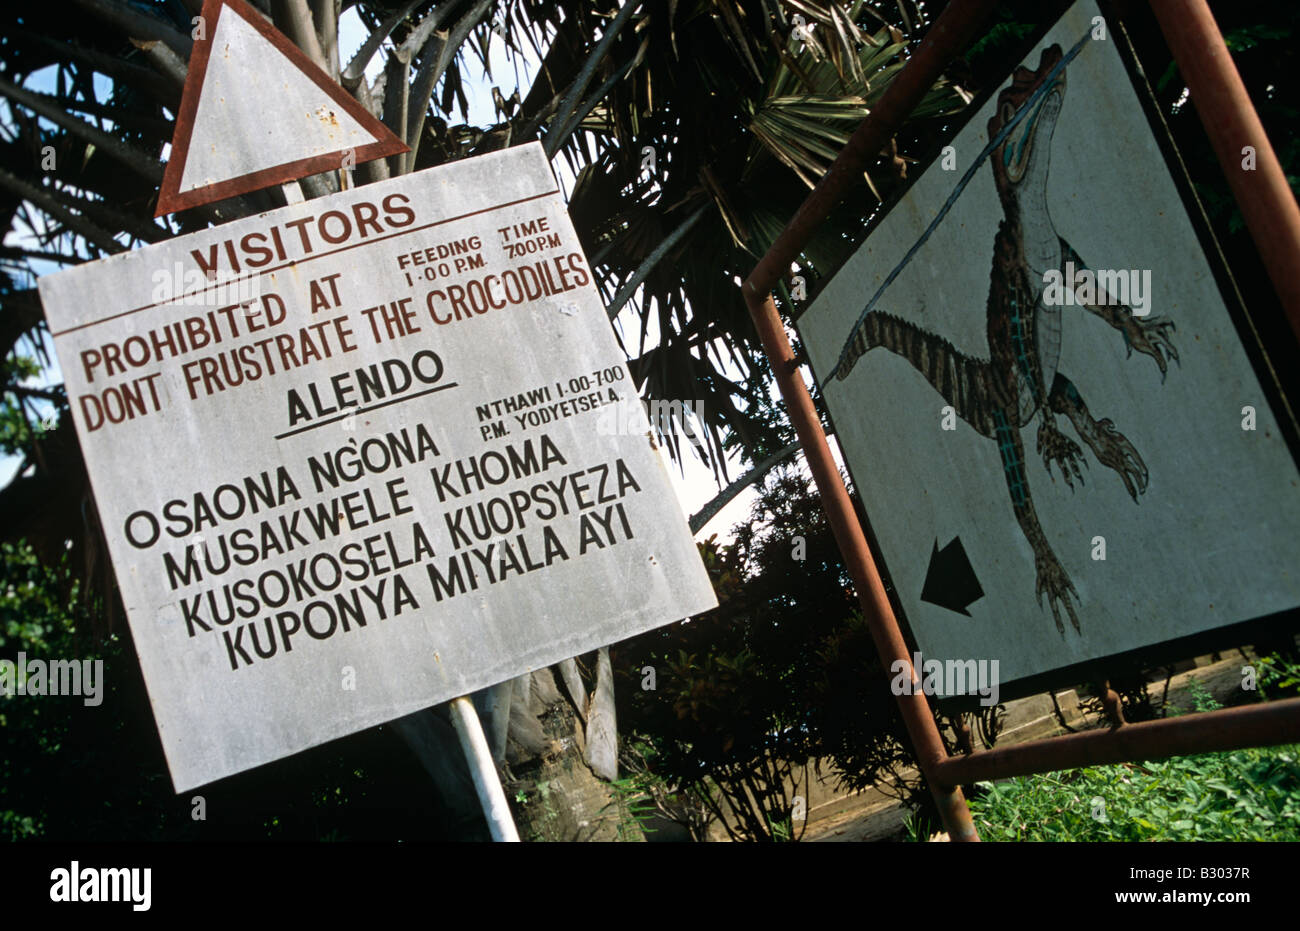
(388, 454)
(1061, 444)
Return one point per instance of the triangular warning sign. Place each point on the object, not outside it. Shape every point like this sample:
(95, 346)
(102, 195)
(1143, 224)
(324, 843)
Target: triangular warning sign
(256, 112)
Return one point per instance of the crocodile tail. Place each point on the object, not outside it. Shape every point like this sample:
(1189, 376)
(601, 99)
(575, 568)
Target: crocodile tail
(856, 346)
(962, 381)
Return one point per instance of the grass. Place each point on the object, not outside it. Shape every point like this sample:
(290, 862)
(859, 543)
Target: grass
(1242, 795)
(1246, 795)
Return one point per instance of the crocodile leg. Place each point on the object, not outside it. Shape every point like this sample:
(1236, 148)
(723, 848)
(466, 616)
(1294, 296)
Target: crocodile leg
(1052, 579)
(1112, 448)
(1151, 336)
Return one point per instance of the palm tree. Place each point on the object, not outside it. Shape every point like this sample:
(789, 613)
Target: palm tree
(692, 128)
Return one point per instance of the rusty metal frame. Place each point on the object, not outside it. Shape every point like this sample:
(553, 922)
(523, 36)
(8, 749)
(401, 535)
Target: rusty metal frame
(1273, 218)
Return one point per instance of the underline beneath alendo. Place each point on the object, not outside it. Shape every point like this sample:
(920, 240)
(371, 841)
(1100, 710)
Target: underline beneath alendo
(353, 412)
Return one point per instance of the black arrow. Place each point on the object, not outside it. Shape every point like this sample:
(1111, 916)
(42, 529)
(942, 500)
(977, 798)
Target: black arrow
(950, 581)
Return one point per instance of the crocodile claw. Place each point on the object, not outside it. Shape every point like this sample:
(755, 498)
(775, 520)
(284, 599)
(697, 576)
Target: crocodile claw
(1114, 451)
(1056, 585)
(1054, 446)
(1152, 336)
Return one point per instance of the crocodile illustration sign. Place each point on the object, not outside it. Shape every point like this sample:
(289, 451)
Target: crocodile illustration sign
(1030, 353)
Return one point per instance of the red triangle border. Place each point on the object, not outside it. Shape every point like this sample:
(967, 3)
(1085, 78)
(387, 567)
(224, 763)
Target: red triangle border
(171, 200)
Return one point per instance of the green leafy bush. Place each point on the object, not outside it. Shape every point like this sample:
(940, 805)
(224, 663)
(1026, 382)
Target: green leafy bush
(1242, 795)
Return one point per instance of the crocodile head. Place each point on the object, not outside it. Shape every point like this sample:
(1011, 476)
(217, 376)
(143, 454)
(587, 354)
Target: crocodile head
(1020, 163)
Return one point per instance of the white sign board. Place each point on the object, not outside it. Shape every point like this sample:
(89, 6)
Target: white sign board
(388, 456)
(969, 378)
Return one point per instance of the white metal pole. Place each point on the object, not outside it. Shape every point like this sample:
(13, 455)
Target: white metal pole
(483, 770)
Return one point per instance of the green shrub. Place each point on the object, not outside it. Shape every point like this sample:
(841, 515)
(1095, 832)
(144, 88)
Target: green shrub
(1242, 795)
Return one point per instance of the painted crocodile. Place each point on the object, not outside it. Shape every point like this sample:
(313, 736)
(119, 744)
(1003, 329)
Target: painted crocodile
(1021, 381)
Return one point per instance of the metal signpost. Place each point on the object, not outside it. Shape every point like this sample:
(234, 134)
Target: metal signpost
(1274, 220)
(353, 456)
